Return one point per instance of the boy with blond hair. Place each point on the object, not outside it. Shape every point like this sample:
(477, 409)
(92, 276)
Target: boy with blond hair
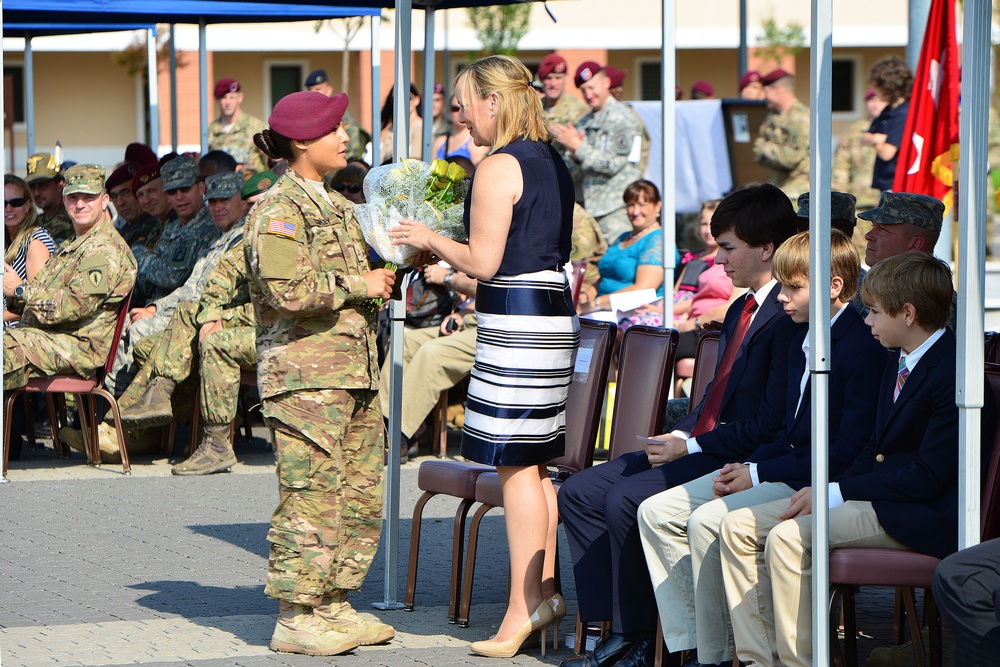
(901, 492)
(680, 527)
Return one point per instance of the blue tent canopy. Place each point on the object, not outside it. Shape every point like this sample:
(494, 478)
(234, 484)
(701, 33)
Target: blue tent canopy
(43, 29)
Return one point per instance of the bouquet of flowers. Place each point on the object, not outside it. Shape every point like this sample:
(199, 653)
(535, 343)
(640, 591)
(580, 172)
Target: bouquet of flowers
(432, 194)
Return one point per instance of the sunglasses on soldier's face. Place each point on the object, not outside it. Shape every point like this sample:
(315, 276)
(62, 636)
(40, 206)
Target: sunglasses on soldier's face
(353, 188)
(17, 202)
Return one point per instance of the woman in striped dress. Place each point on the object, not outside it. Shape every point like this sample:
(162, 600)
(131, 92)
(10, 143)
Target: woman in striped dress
(27, 246)
(519, 214)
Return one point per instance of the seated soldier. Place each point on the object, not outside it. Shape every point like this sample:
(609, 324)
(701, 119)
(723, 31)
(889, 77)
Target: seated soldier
(680, 527)
(902, 484)
(69, 309)
(136, 226)
(224, 212)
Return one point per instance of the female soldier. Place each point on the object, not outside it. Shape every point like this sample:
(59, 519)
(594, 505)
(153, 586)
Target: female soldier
(310, 282)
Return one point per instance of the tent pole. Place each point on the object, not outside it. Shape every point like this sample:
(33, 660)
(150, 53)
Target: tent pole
(428, 88)
(29, 95)
(154, 91)
(821, 156)
(397, 312)
(173, 88)
(203, 84)
(971, 205)
(376, 29)
(668, 79)
(3, 169)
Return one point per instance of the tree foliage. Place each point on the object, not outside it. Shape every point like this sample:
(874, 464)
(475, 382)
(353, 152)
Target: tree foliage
(777, 42)
(500, 29)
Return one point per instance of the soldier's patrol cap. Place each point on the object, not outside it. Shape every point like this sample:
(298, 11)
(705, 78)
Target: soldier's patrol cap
(616, 76)
(123, 174)
(225, 86)
(143, 175)
(258, 183)
(774, 75)
(316, 77)
(749, 77)
(552, 63)
(224, 185)
(181, 172)
(42, 167)
(308, 115)
(85, 178)
(898, 207)
(843, 211)
(586, 71)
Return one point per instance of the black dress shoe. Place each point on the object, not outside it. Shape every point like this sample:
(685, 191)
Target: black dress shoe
(642, 653)
(610, 648)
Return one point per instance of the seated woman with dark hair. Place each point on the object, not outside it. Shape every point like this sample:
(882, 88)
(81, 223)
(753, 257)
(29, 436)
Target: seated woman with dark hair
(635, 260)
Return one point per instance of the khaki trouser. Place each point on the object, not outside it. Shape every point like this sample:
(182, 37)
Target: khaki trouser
(767, 569)
(680, 536)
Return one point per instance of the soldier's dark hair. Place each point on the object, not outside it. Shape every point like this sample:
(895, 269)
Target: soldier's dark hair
(273, 145)
(892, 77)
(220, 160)
(758, 214)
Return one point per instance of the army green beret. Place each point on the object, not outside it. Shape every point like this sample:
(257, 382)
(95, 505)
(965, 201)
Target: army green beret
(258, 183)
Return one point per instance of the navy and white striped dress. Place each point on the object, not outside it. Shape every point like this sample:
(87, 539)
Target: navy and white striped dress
(528, 331)
(20, 263)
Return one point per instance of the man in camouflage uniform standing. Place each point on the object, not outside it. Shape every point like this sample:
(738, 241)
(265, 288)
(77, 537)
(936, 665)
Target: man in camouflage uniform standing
(233, 130)
(319, 81)
(317, 372)
(559, 107)
(45, 178)
(782, 145)
(154, 318)
(70, 307)
(605, 152)
(137, 227)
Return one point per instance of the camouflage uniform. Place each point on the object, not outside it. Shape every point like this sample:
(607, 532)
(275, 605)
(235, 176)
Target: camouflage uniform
(58, 225)
(70, 308)
(588, 245)
(165, 268)
(782, 145)
(143, 232)
(568, 110)
(608, 161)
(317, 372)
(358, 144)
(237, 140)
(853, 164)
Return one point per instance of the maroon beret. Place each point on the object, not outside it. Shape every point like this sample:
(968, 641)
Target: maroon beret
(123, 174)
(144, 174)
(438, 89)
(551, 63)
(678, 93)
(703, 87)
(773, 76)
(870, 94)
(749, 77)
(615, 76)
(307, 115)
(139, 153)
(226, 86)
(586, 71)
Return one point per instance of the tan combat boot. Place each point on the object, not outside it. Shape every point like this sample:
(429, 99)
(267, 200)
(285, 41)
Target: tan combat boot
(214, 453)
(107, 440)
(300, 631)
(153, 407)
(338, 614)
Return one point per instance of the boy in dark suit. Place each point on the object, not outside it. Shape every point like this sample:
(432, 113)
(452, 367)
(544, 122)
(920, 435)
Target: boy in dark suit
(680, 527)
(744, 406)
(904, 481)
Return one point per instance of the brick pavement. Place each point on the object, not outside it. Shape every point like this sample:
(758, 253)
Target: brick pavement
(156, 570)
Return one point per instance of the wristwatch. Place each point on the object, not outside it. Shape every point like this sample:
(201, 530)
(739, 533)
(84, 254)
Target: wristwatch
(19, 291)
(447, 278)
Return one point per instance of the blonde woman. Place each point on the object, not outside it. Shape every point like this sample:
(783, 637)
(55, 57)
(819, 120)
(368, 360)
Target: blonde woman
(27, 246)
(519, 215)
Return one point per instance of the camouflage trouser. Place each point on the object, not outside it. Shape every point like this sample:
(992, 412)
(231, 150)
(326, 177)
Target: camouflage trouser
(223, 355)
(324, 533)
(36, 353)
(614, 224)
(124, 368)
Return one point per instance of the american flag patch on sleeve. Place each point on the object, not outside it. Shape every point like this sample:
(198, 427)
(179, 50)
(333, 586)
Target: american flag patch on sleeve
(282, 228)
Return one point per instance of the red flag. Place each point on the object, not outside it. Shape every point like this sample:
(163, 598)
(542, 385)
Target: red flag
(924, 160)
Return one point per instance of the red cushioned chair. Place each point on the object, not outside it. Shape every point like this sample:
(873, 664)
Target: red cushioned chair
(458, 478)
(644, 369)
(85, 390)
(907, 570)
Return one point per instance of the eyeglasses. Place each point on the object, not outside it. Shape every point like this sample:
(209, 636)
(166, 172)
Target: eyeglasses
(353, 188)
(455, 109)
(15, 203)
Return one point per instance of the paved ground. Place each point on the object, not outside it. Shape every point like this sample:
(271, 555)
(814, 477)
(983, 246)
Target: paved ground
(103, 569)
